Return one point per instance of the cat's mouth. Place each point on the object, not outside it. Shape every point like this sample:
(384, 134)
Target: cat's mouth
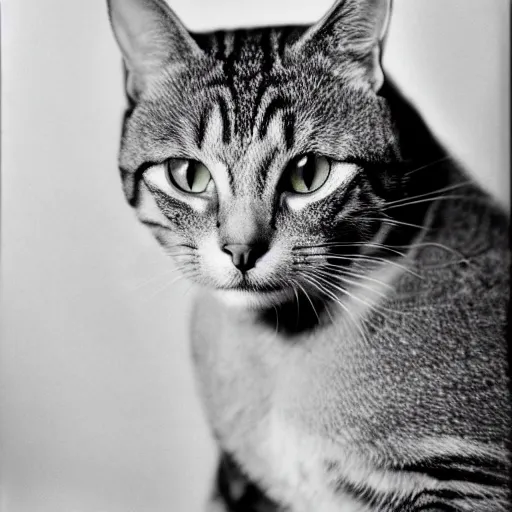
(254, 299)
(254, 295)
(245, 284)
(247, 287)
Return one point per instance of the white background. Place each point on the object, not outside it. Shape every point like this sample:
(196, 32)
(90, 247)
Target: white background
(98, 407)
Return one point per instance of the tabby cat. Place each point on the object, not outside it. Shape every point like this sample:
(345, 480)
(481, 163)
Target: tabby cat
(349, 336)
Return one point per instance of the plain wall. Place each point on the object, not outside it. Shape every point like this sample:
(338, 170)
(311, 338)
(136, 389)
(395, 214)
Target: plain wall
(98, 407)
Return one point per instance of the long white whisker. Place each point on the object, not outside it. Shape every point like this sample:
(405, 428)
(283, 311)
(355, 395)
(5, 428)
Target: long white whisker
(159, 276)
(434, 244)
(351, 257)
(373, 307)
(337, 268)
(327, 292)
(431, 164)
(350, 281)
(437, 198)
(277, 320)
(309, 299)
(426, 194)
(352, 244)
(185, 273)
(394, 222)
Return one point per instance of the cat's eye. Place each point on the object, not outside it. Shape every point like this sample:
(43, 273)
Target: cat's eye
(188, 175)
(307, 173)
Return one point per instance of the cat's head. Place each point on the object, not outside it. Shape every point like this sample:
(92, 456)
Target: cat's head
(252, 154)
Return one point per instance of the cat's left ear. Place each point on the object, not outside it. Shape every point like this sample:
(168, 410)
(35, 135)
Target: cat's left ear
(150, 37)
(352, 34)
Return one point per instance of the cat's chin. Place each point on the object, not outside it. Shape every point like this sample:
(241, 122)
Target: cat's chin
(243, 299)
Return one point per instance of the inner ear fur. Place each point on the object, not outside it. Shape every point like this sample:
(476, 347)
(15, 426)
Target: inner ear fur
(150, 36)
(352, 34)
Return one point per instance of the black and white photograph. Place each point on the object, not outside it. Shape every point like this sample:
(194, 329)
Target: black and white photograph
(255, 256)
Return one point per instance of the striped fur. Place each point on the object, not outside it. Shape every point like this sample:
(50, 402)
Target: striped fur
(367, 370)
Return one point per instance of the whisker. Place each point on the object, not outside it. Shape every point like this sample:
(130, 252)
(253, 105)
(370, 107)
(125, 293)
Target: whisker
(341, 270)
(309, 299)
(162, 287)
(169, 248)
(277, 320)
(373, 307)
(445, 265)
(351, 244)
(185, 273)
(190, 284)
(328, 311)
(386, 247)
(298, 305)
(431, 164)
(394, 222)
(159, 276)
(351, 257)
(438, 198)
(435, 244)
(426, 194)
(329, 273)
(333, 297)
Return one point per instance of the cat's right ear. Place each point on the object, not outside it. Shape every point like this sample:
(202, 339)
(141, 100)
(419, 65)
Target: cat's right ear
(352, 33)
(150, 37)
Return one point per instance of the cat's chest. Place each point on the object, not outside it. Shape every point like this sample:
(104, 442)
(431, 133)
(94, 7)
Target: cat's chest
(257, 393)
(291, 465)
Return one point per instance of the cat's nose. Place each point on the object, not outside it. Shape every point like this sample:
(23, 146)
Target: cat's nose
(244, 256)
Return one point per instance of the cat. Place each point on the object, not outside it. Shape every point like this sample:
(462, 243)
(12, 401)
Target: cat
(349, 335)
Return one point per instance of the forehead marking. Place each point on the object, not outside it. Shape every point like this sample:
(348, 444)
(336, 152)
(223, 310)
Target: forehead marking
(226, 123)
(214, 123)
(265, 166)
(276, 106)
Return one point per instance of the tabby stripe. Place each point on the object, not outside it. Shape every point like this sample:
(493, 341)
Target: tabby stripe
(468, 469)
(226, 123)
(229, 65)
(431, 497)
(391, 501)
(467, 475)
(289, 129)
(201, 128)
(131, 182)
(221, 45)
(267, 66)
(462, 460)
(268, 54)
(277, 104)
(437, 506)
(265, 166)
(450, 494)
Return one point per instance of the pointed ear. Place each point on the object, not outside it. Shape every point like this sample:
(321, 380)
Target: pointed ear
(150, 36)
(352, 33)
